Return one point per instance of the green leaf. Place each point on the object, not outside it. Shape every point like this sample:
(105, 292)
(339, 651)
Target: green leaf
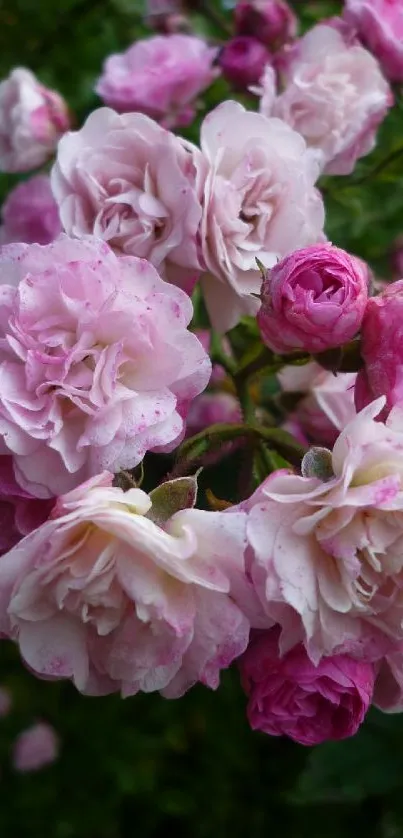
(172, 496)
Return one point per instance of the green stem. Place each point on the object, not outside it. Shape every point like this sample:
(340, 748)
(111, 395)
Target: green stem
(281, 441)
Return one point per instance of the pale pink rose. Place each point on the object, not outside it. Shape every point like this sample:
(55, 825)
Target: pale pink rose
(132, 183)
(103, 595)
(381, 349)
(291, 696)
(328, 404)
(5, 702)
(30, 213)
(95, 362)
(335, 96)
(210, 408)
(380, 25)
(271, 21)
(313, 300)
(242, 61)
(20, 513)
(35, 748)
(32, 119)
(326, 556)
(259, 201)
(161, 76)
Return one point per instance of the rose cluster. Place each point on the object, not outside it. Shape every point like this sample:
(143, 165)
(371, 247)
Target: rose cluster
(112, 265)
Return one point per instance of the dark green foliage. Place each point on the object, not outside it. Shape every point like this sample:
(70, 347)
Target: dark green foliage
(147, 766)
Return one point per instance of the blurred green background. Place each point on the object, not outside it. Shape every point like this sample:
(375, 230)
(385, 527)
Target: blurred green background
(144, 766)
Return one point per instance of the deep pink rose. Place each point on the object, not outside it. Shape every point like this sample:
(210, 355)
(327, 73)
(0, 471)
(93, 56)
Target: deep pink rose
(97, 365)
(380, 25)
(35, 748)
(291, 696)
(126, 180)
(242, 61)
(271, 21)
(105, 596)
(32, 119)
(30, 213)
(335, 96)
(313, 300)
(161, 76)
(20, 513)
(381, 349)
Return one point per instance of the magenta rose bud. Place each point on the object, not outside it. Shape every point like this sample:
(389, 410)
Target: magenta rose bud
(313, 300)
(381, 349)
(270, 21)
(30, 213)
(242, 61)
(291, 696)
(380, 26)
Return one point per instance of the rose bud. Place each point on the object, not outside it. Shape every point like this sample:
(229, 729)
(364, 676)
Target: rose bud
(291, 696)
(270, 21)
(313, 300)
(242, 61)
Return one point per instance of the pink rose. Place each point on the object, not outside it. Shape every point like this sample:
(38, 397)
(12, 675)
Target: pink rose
(310, 704)
(242, 61)
(313, 300)
(259, 201)
(32, 119)
(271, 21)
(328, 404)
(35, 748)
(20, 513)
(128, 181)
(103, 595)
(380, 25)
(95, 362)
(160, 76)
(381, 349)
(335, 96)
(326, 557)
(30, 213)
